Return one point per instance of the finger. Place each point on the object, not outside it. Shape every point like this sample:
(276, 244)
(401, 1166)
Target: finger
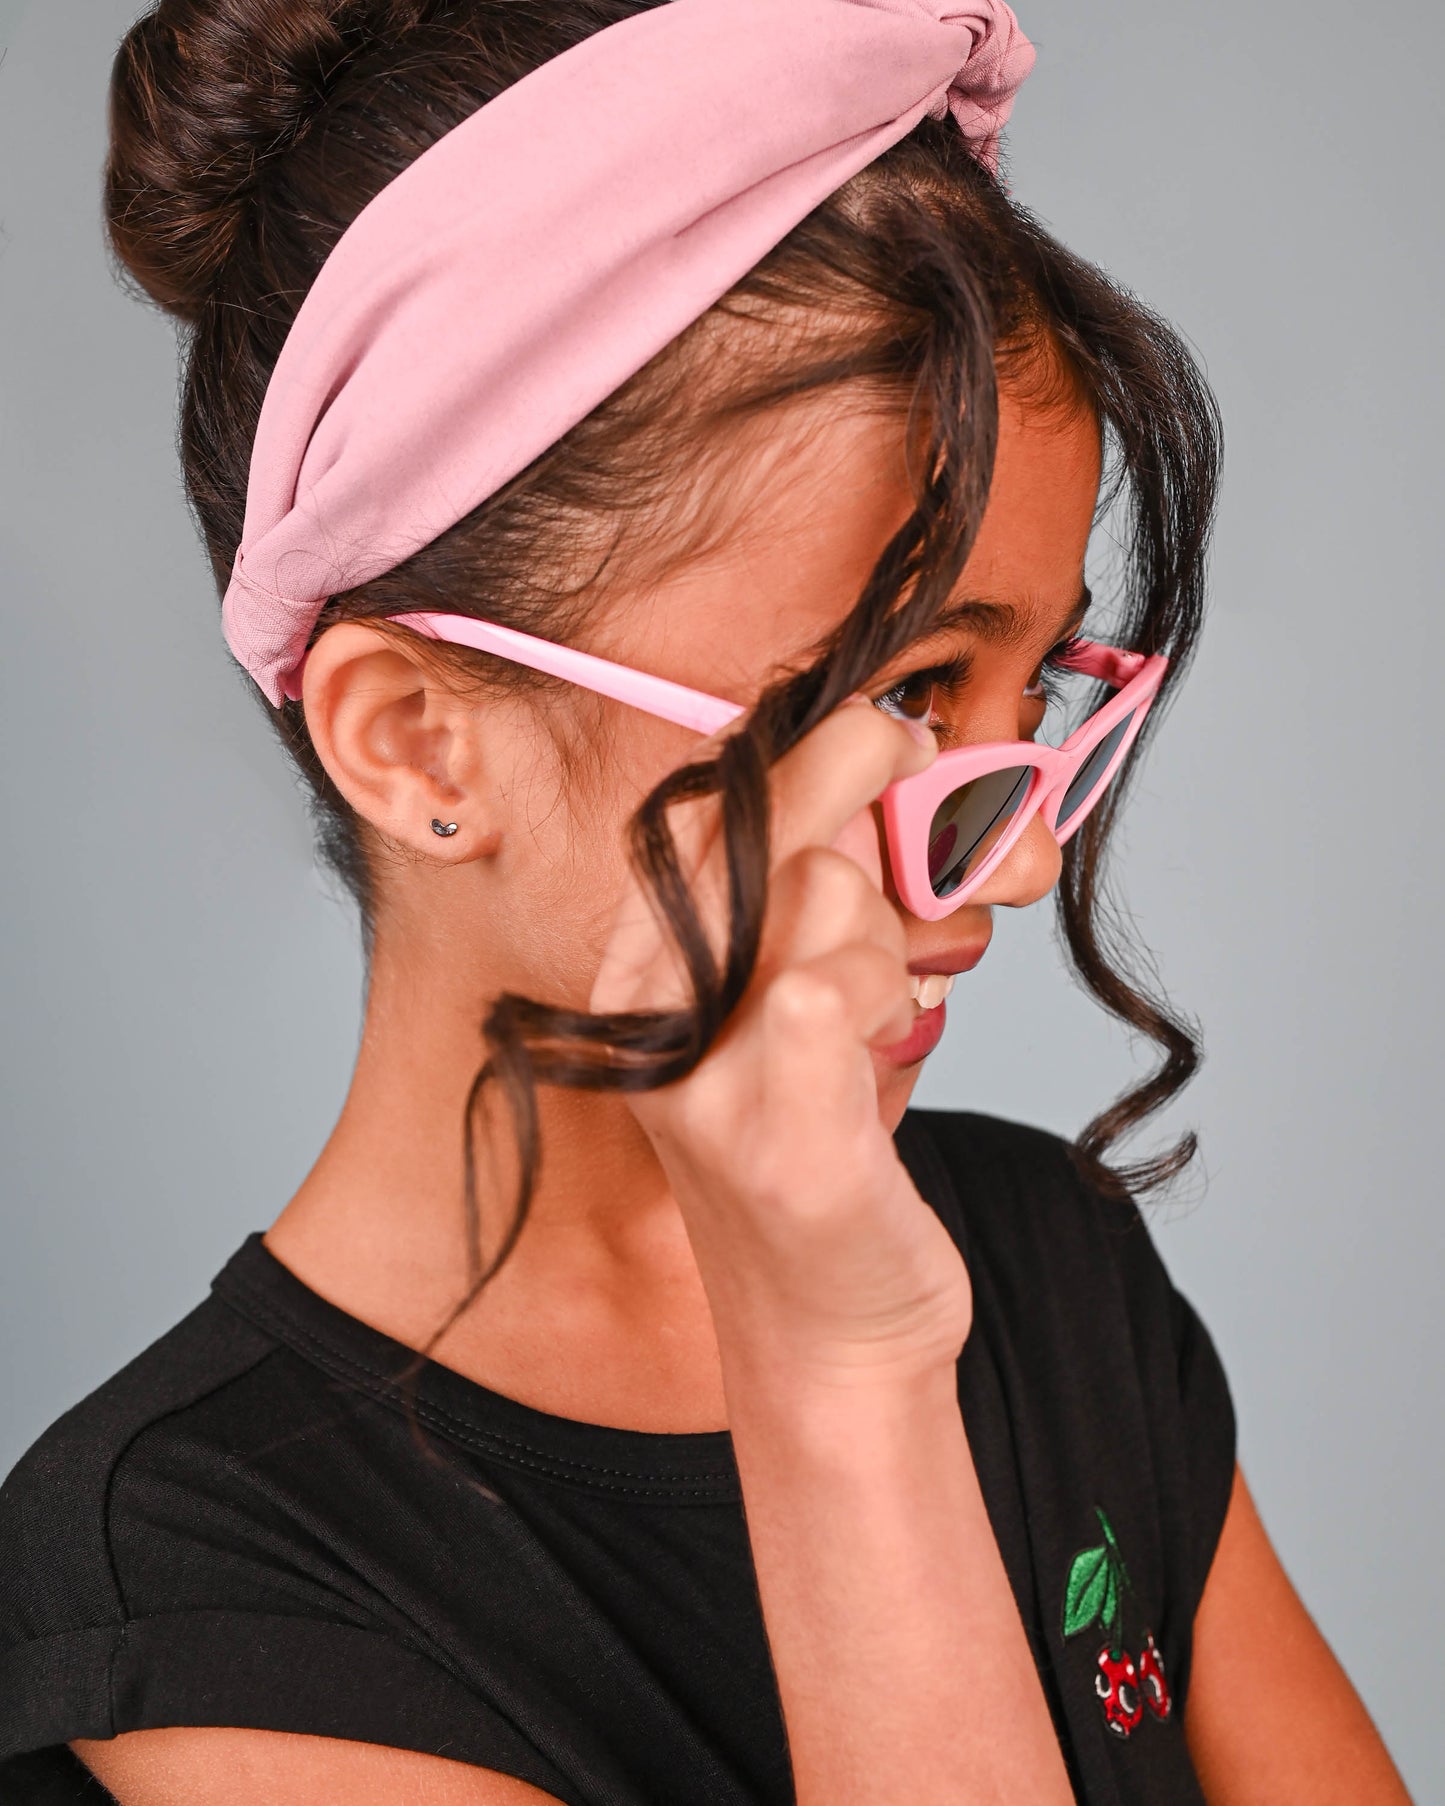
(819, 900)
(822, 788)
(853, 997)
(821, 792)
(838, 770)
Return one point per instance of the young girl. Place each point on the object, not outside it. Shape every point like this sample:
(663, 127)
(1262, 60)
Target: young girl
(650, 460)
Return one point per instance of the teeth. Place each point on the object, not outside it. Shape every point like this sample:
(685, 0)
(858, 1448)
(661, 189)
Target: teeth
(930, 988)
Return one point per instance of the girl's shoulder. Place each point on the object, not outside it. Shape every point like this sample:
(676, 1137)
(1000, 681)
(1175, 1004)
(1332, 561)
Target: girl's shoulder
(1097, 1405)
(201, 1535)
(60, 1495)
(1068, 1279)
(1014, 1199)
(101, 1486)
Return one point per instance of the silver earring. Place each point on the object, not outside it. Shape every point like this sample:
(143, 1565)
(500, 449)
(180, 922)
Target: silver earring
(443, 828)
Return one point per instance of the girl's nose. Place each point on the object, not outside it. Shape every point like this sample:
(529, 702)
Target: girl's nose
(1030, 870)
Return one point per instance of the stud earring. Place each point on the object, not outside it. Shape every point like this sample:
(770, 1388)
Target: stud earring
(443, 828)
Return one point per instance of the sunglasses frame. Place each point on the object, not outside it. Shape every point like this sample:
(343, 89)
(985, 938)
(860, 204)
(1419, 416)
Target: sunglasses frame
(908, 805)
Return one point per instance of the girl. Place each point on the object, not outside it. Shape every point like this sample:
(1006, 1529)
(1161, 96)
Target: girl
(650, 462)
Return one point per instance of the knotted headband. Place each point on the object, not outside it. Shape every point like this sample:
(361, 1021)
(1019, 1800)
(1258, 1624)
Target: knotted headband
(537, 255)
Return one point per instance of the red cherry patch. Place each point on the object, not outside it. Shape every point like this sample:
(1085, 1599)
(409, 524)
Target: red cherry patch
(1117, 1685)
(1097, 1588)
(1152, 1683)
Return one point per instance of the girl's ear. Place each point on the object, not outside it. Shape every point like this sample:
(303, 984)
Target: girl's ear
(400, 745)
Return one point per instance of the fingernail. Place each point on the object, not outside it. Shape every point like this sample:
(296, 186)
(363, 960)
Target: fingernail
(921, 732)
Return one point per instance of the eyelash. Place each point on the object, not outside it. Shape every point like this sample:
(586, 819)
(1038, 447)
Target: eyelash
(1052, 668)
(950, 676)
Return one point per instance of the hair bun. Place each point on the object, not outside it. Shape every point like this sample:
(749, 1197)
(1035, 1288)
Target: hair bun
(203, 94)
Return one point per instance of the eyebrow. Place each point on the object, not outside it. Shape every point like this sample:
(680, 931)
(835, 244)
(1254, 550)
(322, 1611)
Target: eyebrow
(1004, 624)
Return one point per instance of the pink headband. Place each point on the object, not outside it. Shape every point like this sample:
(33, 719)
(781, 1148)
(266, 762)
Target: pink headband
(536, 256)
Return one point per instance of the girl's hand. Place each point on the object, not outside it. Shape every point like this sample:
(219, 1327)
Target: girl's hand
(814, 1246)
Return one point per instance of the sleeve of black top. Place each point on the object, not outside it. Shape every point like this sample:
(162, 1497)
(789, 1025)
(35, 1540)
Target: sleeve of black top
(1209, 1423)
(146, 1580)
(1199, 1392)
(1061, 1225)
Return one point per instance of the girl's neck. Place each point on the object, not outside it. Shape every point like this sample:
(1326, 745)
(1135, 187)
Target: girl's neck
(598, 1312)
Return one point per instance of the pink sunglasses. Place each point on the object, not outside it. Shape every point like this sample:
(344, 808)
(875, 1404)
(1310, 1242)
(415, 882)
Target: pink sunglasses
(948, 827)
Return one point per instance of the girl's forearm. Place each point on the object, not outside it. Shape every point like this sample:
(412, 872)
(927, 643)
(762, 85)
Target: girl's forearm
(905, 1674)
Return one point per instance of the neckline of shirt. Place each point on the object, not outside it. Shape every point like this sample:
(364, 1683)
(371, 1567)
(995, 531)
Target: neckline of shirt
(688, 1466)
(675, 1466)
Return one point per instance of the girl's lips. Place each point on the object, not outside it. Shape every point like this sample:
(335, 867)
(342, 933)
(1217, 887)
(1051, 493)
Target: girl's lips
(921, 1039)
(927, 1030)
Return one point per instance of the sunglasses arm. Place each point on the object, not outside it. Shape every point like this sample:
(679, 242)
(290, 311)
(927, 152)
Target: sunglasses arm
(1107, 663)
(638, 689)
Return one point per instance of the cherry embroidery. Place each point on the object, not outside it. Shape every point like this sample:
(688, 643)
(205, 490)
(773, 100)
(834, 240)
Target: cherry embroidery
(1151, 1678)
(1097, 1587)
(1117, 1684)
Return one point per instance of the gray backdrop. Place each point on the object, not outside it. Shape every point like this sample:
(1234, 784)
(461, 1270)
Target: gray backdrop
(181, 995)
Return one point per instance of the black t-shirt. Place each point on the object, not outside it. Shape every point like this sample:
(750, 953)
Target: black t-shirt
(242, 1527)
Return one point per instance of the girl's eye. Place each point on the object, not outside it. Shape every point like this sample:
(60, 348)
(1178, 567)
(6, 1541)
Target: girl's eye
(916, 696)
(922, 694)
(911, 698)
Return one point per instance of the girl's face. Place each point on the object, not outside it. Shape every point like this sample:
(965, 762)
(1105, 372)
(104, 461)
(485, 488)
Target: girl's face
(523, 896)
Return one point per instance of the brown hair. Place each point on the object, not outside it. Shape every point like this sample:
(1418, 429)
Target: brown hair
(246, 134)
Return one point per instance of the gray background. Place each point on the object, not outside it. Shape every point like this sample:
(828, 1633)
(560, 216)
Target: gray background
(180, 995)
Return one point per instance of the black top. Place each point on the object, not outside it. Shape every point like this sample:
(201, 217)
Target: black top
(242, 1527)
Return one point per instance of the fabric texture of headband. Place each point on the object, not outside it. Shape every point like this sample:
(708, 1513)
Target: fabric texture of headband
(539, 253)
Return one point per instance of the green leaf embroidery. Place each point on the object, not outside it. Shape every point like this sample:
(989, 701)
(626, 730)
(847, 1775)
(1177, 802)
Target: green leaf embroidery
(1097, 1582)
(1091, 1582)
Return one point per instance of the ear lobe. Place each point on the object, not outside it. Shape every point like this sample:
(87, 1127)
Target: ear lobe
(400, 745)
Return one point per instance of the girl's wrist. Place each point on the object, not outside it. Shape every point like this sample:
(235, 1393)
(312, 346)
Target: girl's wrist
(842, 1409)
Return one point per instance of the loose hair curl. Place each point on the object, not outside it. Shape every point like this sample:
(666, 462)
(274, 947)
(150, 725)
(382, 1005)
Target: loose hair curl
(247, 134)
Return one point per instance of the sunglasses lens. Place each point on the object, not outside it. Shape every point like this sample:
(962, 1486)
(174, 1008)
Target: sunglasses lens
(1086, 783)
(968, 823)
